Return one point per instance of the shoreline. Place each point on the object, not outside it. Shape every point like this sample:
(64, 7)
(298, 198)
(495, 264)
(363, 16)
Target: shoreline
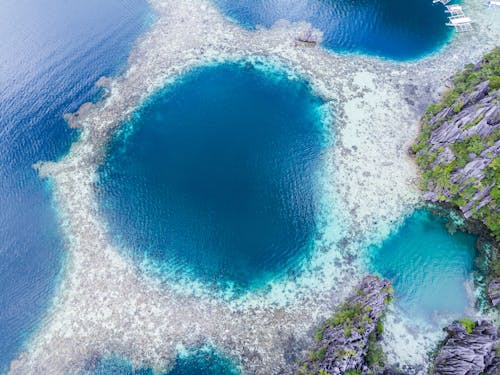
(91, 313)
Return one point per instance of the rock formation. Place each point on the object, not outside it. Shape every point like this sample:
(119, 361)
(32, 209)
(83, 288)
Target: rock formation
(458, 151)
(469, 353)
(347, 342)
(494, 292)
(459, 146)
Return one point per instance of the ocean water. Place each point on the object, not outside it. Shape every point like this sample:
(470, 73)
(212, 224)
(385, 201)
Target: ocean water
(52, 52)
(214, 178)
(428, 266)
(392, 29)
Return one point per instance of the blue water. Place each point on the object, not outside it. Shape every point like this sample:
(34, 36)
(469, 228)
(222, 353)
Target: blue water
(203, 363)
(428, 266)
(215, 177)
(199, 362)
(392, 29)
(52, 52)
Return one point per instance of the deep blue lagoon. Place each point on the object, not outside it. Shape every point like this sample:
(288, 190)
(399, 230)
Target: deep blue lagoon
(52, 52)
(216, 176)
(393, 29)
(428, 267)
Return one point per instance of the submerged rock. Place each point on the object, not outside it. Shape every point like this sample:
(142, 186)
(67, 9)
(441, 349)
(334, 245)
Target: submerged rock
(349, 339)
(469, 350)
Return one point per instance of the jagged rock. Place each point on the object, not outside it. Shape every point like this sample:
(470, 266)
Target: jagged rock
(469, 353)
(494, 292)
(343, 341)
(478, 94)
(451, 127)
(463, 177)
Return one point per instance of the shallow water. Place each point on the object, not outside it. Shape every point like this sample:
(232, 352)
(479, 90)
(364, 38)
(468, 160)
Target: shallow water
(428, 266)
(388, 28)
(200, 362)
(215, 177)
(203, 363)
(52, 54)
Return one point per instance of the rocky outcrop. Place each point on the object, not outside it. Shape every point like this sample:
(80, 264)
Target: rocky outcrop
(479, 119)
(349, 339)
(458, 151)
(469, 353)
(459, 146)
(494, 292)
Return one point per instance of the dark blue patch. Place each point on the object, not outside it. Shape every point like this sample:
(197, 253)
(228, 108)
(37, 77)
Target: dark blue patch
(216, 176)
(393, 29)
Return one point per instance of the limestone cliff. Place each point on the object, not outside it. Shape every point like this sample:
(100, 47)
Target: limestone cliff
(458, 151)
(347, 343)
(459, 145)
(469, 349)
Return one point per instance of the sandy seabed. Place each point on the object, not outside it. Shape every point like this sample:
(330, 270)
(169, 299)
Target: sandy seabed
(105, 305)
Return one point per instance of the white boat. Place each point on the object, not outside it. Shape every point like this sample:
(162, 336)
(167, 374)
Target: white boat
(454, 9)
(459, 20)
(460, 23)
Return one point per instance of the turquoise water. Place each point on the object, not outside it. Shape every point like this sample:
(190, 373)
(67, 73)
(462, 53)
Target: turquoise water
(393, 29)
(428, 266)
(215, 177)
(203, 363)
(199, 362)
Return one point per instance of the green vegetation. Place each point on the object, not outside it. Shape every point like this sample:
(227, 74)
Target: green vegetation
(468, 324)
(318, 355)
(495, 82)
(353, 372)
(472, 145)
(375, 356)
(351, 318)
(389, 289)
(379, 328)
(318, 336)
(436, 176)
(490, 70)
(346, 316)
